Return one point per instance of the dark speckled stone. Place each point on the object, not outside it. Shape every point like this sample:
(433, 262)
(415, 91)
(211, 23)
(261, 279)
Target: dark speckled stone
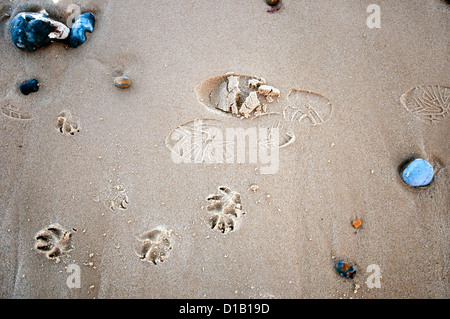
(31, 31)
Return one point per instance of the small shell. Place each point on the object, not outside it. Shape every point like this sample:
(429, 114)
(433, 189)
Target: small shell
(122, 82)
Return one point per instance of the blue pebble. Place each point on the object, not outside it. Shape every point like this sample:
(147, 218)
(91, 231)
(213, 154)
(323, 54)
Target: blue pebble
(418, 173)
(29, 87)
(29, 33)
(84, 22)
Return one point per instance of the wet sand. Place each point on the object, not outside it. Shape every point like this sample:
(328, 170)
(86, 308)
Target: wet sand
(297, 225)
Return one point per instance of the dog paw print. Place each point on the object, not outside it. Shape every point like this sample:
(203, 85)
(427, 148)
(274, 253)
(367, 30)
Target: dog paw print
(226, 210)
(154, 245)
(53, 241)
(66, 123)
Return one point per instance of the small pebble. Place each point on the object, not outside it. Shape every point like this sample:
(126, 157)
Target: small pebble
(122, 82)
(345, 269)
(29, 87)
(418, 173)
(356, 223)
(272, 3)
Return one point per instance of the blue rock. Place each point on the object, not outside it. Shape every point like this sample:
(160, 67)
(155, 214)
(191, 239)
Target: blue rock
(418, 173)
(84, 22)
(29, 87)
(345, 269)
(31, 31)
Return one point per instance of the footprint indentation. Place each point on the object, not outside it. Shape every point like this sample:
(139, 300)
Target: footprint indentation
(226, 210)
(53, 241)
(196, 141)
(207, 141)
(308, 107)
(154, 245)
(284, 136)
(67, 124)
(429, 103)
(236, 95)
(11, 112)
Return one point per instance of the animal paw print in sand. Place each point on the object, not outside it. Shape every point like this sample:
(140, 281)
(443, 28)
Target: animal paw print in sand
(118, 199)
(237, 95)
(53, 241)
(67, 124)
(155, 245)
(226, 210)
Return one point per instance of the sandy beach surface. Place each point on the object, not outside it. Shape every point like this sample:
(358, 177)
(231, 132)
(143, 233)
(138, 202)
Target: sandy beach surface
(115, 179)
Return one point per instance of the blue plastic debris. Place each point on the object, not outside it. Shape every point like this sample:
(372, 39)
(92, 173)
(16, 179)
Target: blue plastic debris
(84, 22)
(418, 173)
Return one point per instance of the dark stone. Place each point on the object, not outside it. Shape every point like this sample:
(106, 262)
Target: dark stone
(29, 87)
(31, 31)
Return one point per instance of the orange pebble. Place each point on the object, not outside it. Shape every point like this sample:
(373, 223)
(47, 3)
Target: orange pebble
(356, 223)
